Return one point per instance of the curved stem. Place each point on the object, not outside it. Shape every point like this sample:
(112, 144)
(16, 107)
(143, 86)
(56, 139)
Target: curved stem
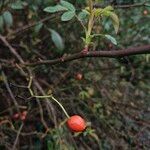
(60, 106)
(50, 96)
(46, 96)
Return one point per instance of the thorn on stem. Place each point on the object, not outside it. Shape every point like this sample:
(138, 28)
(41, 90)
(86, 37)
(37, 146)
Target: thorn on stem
(63, 58)
(85, 50)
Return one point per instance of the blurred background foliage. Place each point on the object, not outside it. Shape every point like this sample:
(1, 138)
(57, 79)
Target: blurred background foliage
(112, 94)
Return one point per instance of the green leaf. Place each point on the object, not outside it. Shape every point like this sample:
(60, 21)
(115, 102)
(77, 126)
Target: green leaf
(1, 23)
(108, 8)
(83, 95)
(8, 19)
(106, 11)
(38, 27)
(112, 39)
(50, 145)
(53, 9)
(67, 15)
(82, 15)
(98, 12)
(115, 21)
(56, 38)
(17, 5)
(67, 5)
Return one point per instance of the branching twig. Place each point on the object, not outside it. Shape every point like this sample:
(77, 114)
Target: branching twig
(28, 26)
(37, 85)
(110, 54)
(13, 51)
(46, 96)
(48, 104)
(133, 5)
(10, 91)
(127, 6)
(17, 137)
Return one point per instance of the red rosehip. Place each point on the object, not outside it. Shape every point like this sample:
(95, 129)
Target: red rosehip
(16, 116)
(79, 76)
(22, 117)
(24, 113)
(76, 123)
(145, 12)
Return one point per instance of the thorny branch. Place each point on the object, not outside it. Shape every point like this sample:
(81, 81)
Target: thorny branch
(99, 53)
(127, 6)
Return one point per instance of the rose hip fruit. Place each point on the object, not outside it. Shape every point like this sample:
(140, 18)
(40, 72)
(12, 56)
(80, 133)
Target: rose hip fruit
(79, 76)
(22, 117)
(24, 113)
(16, 116)
(76, 123)
(145, 12)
